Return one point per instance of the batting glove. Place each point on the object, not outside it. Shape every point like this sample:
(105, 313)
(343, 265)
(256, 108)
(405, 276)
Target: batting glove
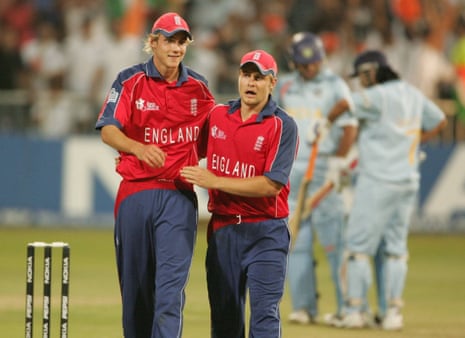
(338, 169)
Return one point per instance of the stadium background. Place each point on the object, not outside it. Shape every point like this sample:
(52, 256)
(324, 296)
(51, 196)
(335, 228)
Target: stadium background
(58, 58)
(72, 181)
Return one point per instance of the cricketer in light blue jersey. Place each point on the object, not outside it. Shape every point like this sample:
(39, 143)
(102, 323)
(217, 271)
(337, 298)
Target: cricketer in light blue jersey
(308, 95)
(395, 118)
(393, 115)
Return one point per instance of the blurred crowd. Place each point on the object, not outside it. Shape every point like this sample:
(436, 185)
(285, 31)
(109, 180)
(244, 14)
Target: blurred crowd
(62, 55)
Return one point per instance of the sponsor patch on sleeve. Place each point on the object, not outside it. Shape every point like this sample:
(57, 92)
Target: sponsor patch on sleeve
(112, 96)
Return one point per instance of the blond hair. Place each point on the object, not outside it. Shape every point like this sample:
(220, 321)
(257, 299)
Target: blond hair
(148, 42)
(153, 37)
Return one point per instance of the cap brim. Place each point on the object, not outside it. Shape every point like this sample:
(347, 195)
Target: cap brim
(260, 69)
(170, 34)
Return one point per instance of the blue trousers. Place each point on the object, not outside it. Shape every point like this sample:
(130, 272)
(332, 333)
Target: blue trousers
(241, 257)
(379, 220)
(155, 233)
(327, 223)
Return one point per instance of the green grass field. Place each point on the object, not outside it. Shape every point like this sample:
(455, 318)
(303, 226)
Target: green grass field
(434, 295)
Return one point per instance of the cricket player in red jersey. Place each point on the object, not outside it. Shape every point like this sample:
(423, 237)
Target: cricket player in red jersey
(251, 148)
(153, 116)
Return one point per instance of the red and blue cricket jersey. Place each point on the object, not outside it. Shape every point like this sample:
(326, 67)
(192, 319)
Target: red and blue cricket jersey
(150, 110)
(265, 144)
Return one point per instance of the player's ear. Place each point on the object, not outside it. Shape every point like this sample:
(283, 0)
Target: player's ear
(273, 81)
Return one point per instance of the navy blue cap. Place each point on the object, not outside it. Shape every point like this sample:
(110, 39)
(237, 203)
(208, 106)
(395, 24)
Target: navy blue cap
(306, 48)
(374, 57)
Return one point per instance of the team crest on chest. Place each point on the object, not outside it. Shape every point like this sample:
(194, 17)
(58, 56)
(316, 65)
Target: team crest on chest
(259, 143)
(194, 107)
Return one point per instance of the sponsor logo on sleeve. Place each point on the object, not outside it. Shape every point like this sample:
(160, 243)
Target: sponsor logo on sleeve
(112, 96)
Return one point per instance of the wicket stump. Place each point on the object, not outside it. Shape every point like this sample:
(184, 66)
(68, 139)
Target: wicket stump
(47, 287)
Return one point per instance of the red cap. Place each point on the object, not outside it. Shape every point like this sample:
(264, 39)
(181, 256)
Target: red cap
(169, 24)
(264, 61)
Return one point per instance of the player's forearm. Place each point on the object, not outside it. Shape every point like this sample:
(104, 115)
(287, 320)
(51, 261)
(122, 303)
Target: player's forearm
(116, 139)
(348, 138)
(337, 110)
(429, 134)
(259, 186)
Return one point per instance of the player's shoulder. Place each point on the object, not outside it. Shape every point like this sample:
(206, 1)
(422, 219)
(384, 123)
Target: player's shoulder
(219, 114)
(281, 113)
(404, 85)
(286, 83)
(196, 76)
(288, 120)
(131, 71)
(328, 75)
(287, 76)
(287, 79)
(222, 108)
(396, 87)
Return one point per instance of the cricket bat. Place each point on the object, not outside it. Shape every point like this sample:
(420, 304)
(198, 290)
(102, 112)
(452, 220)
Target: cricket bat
(313, 201)
(305, 204)
(294, 222)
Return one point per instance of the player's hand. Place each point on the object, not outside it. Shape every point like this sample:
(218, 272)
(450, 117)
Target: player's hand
(199, 176)
(151, 154)
(337, 168)
(317, 130)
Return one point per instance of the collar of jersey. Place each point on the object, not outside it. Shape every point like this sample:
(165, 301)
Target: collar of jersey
(268, 110)
(152, 71)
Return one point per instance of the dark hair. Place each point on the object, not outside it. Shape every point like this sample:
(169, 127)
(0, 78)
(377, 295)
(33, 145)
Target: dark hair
(385, 73)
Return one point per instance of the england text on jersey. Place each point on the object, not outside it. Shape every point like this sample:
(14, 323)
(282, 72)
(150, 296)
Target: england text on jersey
(230, 167)
(171, 135)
